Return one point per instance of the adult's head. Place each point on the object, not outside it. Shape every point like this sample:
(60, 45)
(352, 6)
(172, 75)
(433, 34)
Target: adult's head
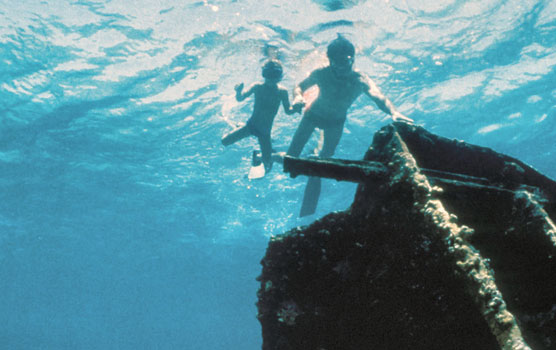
(272, 70)
(341, 54)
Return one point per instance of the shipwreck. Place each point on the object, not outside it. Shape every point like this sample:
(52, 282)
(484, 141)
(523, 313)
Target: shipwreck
(447, 245)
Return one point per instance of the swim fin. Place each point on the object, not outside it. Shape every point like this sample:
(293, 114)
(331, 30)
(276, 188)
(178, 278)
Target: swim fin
(311, 196)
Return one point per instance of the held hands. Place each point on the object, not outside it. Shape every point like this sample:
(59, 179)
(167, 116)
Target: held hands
(298, 104)
(298, 107)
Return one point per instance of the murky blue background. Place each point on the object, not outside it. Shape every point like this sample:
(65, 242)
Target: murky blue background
(124, 224)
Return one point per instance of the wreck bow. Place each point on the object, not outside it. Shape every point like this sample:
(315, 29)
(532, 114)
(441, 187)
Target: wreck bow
(446, 246)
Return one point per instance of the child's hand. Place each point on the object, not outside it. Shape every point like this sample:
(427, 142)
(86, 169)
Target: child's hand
(239, 88)
(297, 107)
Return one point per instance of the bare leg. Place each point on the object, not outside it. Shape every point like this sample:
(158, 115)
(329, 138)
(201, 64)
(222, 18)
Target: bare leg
(301, 136)
(236, 135)
(331, 139)
(312, 189)
(266, 151)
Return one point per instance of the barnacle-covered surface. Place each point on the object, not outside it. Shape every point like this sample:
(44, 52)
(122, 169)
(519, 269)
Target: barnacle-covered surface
(453, 249)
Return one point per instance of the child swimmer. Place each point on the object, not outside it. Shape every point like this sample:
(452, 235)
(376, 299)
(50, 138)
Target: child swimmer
(268, 96)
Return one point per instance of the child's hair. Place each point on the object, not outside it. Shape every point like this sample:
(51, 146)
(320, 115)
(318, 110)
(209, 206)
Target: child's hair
(340, 47)
(272, 69)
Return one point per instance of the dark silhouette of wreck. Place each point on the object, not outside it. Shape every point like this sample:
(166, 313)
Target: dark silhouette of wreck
(446, 246)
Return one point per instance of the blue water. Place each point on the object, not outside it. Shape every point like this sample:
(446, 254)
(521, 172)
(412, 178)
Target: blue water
(124, 224)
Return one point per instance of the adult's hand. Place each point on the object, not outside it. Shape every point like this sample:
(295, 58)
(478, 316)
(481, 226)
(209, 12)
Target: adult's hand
(398, 117)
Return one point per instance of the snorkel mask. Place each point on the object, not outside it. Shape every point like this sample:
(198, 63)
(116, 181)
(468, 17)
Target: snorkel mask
(341, 54)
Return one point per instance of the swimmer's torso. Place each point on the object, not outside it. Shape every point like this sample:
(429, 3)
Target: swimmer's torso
(267, 102)
(336, 94)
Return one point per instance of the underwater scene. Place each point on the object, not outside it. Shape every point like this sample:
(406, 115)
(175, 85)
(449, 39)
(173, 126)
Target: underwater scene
(124, 221)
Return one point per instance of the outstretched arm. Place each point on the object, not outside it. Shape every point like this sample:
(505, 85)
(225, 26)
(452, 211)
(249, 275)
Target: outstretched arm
(372, 90)
(240, 95)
